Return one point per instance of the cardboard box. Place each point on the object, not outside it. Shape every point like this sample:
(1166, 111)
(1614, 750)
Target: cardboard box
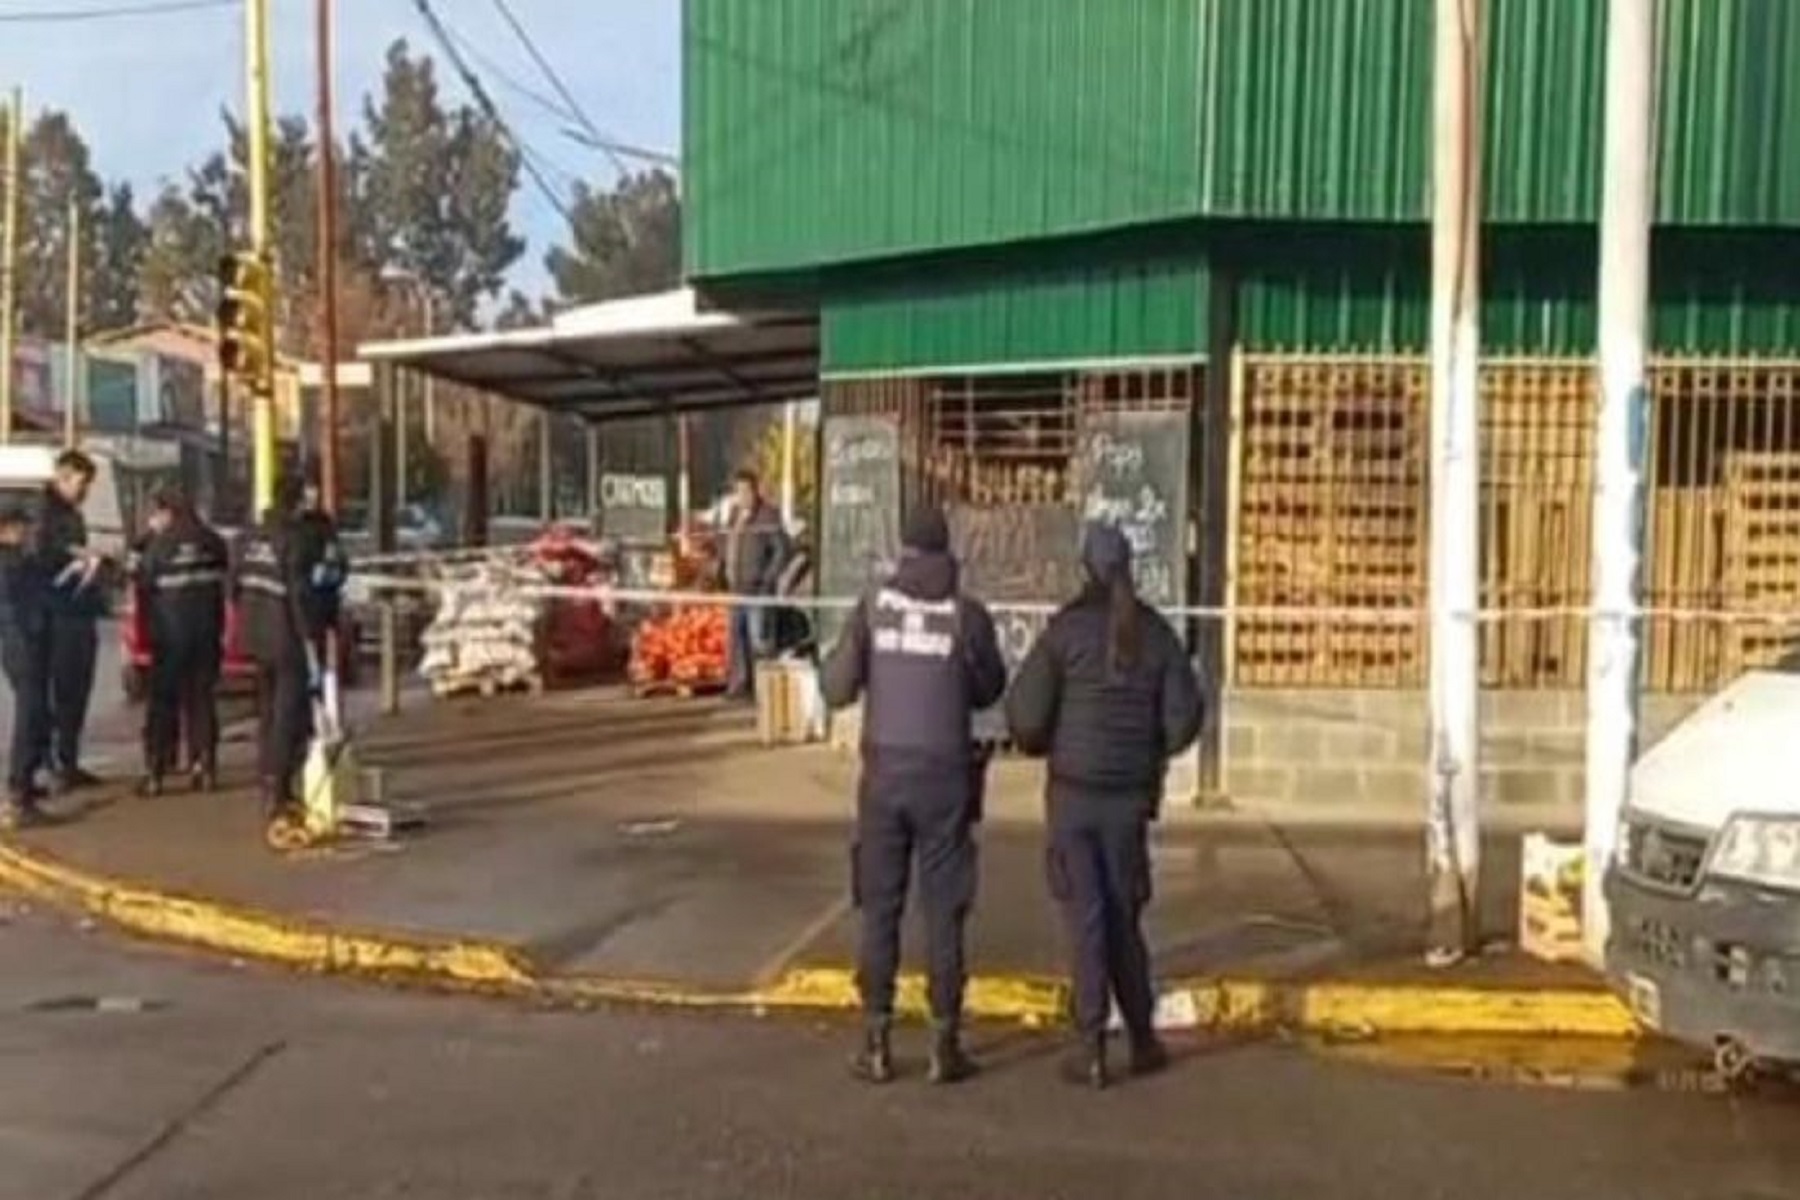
(1550, 898)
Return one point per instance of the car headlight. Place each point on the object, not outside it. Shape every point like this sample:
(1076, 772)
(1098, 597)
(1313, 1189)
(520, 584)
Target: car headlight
(1759, 850)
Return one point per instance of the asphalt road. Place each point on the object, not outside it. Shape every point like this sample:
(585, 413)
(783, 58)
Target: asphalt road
(192, 1080)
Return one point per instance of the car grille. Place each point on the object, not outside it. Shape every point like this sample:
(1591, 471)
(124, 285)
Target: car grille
(1665, 857)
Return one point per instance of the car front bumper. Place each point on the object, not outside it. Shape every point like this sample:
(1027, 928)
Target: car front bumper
(1719, 964)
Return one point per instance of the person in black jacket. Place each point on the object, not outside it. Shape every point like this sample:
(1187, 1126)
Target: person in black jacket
(24, 653)
(925, 658)
(76, 604)
(283, 613)
(1108, 695)
(181, 576)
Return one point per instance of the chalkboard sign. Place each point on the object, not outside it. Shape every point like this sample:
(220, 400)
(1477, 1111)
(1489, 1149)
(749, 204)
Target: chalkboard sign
(859, 524)
(1133, 469)
(634, 507)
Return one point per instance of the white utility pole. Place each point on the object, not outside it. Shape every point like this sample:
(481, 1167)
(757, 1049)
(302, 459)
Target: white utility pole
(1453, 839)
(1619, 434)
(72, 351)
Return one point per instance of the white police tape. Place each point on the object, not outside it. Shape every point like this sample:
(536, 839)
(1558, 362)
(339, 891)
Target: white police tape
(617, 596)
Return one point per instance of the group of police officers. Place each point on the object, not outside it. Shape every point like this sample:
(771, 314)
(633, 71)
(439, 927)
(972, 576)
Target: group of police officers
(286, 583)
(1107, 695)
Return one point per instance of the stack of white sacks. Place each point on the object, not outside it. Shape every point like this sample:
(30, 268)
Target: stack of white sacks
(485, 633)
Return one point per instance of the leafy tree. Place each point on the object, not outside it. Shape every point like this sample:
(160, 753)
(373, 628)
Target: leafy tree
(434, 187)
(625, 242)
(122, 241)
(55, 169)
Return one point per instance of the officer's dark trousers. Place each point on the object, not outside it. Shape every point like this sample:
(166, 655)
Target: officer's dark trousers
(901, 823)
(284, 722)
(26, 661)
(74, 642)
(184, 681)
(1099, 872)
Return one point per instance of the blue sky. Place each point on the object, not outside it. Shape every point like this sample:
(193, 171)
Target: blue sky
(146, 91)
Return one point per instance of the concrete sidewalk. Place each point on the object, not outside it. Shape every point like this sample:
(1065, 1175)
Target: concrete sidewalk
(601, 839)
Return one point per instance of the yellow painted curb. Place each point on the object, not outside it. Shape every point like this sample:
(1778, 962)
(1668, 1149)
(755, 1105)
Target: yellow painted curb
(247, 933)
(1242, 1007)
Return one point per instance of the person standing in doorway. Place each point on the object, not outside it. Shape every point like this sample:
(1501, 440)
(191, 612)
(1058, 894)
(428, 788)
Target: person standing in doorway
(755, 555)
(1108, 695)
(924, 658)
(24, 653)
(181, 575)
(75, 605)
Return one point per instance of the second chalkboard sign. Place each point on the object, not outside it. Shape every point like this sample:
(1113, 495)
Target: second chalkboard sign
(859, 526)
(1133, 471)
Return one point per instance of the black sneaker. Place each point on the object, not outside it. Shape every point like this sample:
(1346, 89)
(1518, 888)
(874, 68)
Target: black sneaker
(21, 812)
(1148, 1056)
(949, 1064)
(873, 1062)
(76, 779)
(1085, 1066)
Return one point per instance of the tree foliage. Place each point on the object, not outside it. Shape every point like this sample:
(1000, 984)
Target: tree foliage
(623, 242)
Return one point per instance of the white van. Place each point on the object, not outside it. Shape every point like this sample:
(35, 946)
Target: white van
(1704, 889)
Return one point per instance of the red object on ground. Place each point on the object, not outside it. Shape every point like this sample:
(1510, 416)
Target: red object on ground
(578, 633)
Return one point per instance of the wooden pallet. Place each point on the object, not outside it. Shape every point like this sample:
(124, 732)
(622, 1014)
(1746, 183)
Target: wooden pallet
(671, 689)
(489, 688)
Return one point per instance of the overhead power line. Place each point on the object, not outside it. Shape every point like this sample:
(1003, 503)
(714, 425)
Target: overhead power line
(107, 12)
(556, 82)
(485, 103)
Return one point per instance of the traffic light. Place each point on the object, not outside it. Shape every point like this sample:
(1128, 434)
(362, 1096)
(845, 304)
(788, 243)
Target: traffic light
(246, 332)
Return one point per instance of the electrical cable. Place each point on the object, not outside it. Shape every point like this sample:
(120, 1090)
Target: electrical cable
(105, 12)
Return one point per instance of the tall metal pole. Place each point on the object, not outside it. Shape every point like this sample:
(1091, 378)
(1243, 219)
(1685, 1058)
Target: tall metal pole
(9, 261)
(257, 118)
(789, 493)
(72, 351)
(328, 297)
(430, 313)
(1619, 433)
(1454, 832)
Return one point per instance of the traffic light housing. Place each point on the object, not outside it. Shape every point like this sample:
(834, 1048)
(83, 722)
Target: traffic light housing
(245, 320)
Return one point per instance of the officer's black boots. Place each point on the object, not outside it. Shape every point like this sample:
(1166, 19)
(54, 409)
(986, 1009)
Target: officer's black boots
(874, 1060)
(1086, 1065)
(74, 779)
(949, 1064)
(1148, 1055)
(20, 811)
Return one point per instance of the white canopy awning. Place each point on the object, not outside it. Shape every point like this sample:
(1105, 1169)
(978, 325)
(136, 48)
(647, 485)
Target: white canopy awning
(623, 358)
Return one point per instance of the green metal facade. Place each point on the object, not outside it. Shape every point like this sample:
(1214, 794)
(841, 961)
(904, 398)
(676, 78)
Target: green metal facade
(968, 184)
(828, 131)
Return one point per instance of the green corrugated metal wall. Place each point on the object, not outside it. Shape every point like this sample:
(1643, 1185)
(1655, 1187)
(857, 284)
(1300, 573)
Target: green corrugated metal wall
(1301, 288)
(825, 131)
(1050, 304)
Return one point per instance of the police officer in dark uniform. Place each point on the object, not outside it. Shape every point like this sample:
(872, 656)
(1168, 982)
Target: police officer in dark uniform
(76, 604)
(24, 652)
(283, 613)
(1108, 695)
(182, 576)
(925, 659)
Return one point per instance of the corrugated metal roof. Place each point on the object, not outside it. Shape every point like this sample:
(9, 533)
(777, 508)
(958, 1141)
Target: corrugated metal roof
(829, 131)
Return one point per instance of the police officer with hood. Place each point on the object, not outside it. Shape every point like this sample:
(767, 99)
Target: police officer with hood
(925, 659)
(287, 587)
(1108, 695)
(181, 573)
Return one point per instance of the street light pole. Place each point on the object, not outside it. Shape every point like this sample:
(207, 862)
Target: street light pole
(1619, 435)
(1453, 829)
(9, 260)
(257, 116)
(328, 310)
(72, 352)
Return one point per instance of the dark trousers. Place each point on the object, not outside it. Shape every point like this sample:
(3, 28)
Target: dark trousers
(183, 701)
(283, 723)
(1099, 871)
(74, 643)
(26, 661)
(927, 824)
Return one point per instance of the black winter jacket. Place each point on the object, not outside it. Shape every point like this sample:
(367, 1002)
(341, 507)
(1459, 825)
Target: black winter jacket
(182, 574)
(58, 534)
(1106, 734)
(927, 657)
